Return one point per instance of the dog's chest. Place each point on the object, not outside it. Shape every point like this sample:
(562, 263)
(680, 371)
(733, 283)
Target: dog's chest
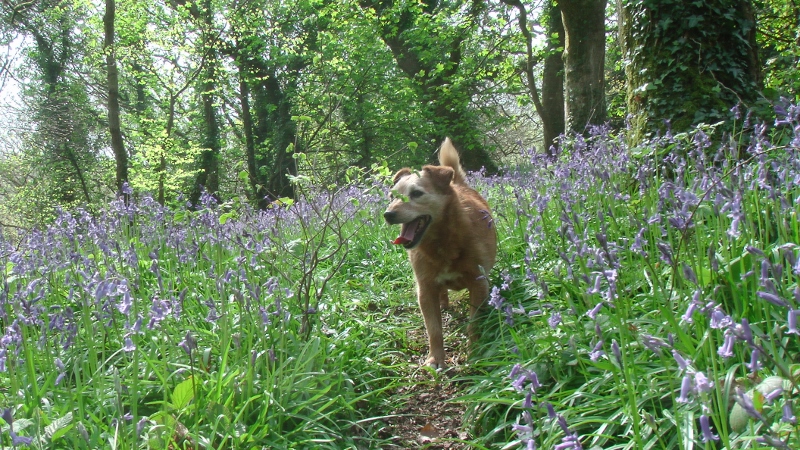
(446, 276)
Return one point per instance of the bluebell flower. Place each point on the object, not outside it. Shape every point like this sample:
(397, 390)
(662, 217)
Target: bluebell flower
(689, 274)
(16, 440)
(773, 441)
(597, 352)
(687, 316)
(686, 388)
(772, 298)
(682, 362)
(495, 299)
(617, 353)
(743, 331)
(705, 427)
(788, 415)
(128, 345)
(528, 402)
(719, 320)
(188, 343)
(61, 372)
(594, 311)
(770, 396)
(140, 425)
(747, 404)
(554, 320)
(726, 350)
(754, 365)
(702, 383)
(551, 412)
(653, 343)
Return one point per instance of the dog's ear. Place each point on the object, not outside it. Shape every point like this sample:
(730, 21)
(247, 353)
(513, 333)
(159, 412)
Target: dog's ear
(441, 176)
(400, 174)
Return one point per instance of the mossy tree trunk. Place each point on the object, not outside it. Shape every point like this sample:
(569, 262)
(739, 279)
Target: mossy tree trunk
(687, 62)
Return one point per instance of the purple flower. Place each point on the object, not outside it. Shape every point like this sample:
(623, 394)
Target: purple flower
(666, 252)
(515, 371)
(551, 412)
(770, 396)
(521, 376)
(689, 274)
(747, 404)
(597, 351)
(726, 350)
(554, 320)
(61, 373)
(16, 439)
(686, 388)
(793, 315)
(495, 299)
(140, 425)
(519, 383)
(705, 427)
(128, 345)
(687, 316)
(772, 298)
(617, 353)
(593, 312)
(788, 415)
(569, 442)
(719, 320)
(682, 363)
(188, 343)
(528, 402)
(744, 332)
(754, 365)
(520, 428)
(653, 343)
(702, 383)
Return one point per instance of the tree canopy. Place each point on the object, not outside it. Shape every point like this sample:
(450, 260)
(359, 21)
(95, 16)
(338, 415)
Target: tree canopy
(179, 98)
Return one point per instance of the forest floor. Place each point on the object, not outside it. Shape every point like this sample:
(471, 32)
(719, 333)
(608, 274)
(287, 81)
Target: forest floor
(426, 415)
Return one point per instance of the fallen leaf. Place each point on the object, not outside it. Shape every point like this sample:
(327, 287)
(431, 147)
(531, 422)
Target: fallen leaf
(429, 431)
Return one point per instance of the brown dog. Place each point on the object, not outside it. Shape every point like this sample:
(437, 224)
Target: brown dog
(448, 231)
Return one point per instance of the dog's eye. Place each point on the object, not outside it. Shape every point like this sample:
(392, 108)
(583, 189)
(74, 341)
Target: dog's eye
(416, 194)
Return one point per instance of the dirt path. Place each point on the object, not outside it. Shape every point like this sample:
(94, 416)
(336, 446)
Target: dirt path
(426, 416)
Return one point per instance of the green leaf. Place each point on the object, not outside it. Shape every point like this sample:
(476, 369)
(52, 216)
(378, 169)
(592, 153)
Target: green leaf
(224, 218)
(396, 194)
(58, 427)
(183, 393)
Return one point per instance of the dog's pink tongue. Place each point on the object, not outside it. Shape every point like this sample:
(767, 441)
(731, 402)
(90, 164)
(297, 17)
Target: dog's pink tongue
(400, 240)
(407, 232)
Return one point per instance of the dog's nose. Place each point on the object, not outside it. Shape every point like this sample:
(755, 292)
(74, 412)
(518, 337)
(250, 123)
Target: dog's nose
(390, 217)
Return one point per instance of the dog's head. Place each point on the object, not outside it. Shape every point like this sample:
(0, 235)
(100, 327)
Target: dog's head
(418, 199)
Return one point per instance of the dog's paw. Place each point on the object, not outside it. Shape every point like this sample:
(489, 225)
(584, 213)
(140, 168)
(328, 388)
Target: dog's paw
(434, 364)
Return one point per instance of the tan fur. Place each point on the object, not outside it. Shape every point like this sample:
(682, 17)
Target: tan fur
(458, 247)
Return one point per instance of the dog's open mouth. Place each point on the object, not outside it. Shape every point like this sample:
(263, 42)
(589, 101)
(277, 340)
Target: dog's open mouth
(411, 232)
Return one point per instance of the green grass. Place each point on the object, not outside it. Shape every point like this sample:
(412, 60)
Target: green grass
(226, 328)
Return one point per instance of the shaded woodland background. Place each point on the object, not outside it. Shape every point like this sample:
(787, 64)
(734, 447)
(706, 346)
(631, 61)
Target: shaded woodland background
(237, 97)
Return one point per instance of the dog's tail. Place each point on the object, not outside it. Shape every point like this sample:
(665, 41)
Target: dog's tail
(448, 156)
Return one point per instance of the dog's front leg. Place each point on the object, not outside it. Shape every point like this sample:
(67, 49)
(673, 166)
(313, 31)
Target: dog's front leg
(428, 298)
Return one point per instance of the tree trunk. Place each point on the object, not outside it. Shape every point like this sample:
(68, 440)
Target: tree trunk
(690, 62)
(553, 77)
(208, 176)
(584, 62)
(117, 145)
(249, 141)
